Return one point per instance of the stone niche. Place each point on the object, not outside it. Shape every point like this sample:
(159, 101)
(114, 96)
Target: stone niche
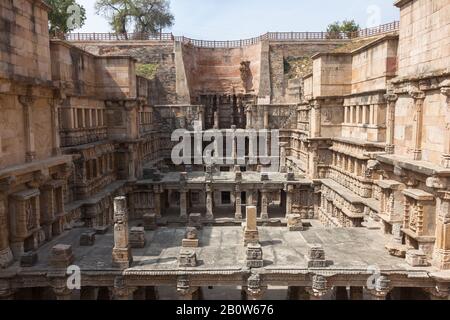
(24, 221)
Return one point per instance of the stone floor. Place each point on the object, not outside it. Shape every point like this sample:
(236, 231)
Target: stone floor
(221, 248)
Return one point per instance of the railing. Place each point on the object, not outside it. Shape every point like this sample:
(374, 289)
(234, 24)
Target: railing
(272, 36)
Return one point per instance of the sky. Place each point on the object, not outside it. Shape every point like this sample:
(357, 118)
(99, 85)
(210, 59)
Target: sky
(239, 19)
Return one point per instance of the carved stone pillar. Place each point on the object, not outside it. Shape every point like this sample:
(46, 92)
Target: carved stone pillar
(289, 195)
(249, 117)
(446, 155)
(184, 289)
(238, 203)
(419, 98)
(440, 292)
(209, 202)
(283, 157)
(6, 292)
(255, 290)
(266, 119)
(6, 256)
(318, 289)
(441, 257)
(390, 130)
(183, 204)
(121, 255)
(60, 289)
(121, 291)
(381, 289)
(56, 142)
(264, 205)
(27, 104)
(157, 191)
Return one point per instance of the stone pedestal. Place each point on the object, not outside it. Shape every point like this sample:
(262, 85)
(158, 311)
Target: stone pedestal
(416, 258)
(191, 238)
(137, 237)
(150, 223)
(187, 258)
(254, 256)
(28, 259)
(61, 256)
(251, 234)
(316, 257)
(294, 222)
(87, 239)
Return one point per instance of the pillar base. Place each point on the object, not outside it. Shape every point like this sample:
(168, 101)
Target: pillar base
(6, 258)
(442, 259)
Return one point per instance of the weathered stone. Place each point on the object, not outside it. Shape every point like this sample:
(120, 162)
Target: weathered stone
(294, 222)
(87, 238)
(61, 256)
(28, 259)
(187, 258)
(254, 256)
(195, 220)
(416, 258)
(101, 230)
(316, 257)
(396, 250)
(137, 237)
(150, 222)
(191, 233)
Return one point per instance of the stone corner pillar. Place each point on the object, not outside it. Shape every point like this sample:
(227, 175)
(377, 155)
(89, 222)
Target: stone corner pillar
(209, 203)
(185, 290)
(264, 205)
(440, 292)
(390, 132)
(318, 289)
(121, 255)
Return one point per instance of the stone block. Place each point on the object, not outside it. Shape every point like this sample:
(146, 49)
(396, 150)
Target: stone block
(254, 256)
(251, 224)
(87, 239)
(61, 256)
(191, 233)
(190, 243)
(316, 257)
(137, 237)
(396, 250)
(416, 258)
(150, 222)
(187, 258)
(195, 220)
(28, 259)
(101, 230)
(294, 222)
(122, 258)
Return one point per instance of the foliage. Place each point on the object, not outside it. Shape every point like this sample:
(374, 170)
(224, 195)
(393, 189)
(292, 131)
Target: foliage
(63, 18)
(146, 70)
(147, 16)
(337, 29)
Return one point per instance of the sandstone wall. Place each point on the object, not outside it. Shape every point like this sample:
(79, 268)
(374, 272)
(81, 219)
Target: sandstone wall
(217, 70)
(332, 74)
(374, 65)
(424, 36)
(161, 54)
(24, 50)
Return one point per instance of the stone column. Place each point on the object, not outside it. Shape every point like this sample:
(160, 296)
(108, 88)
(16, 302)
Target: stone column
(283, 157)
(441, 255)
(419, 98)
(216, 119)
(238, 203)
(446, 156)
(266, 119)
(183, 204)
(6, 256)
(56, 142)
(264, 205)
(157, 191)
(390, 121)
(289, 193)
(249, 117)
(356, 293)
(59, 286)
(381, 289)
(209, 202)
(122, 292)
(27, 104)
(121, 254)
(318, 289)
(234, 145)
(6, 292)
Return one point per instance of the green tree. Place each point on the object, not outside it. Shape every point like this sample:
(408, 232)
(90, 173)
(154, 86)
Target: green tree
(147, 16)
(337, 30)
(65, 16)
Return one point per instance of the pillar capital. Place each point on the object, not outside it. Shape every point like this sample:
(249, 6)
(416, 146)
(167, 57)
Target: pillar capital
(319, 287)
(417, 94)
(391, 97)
